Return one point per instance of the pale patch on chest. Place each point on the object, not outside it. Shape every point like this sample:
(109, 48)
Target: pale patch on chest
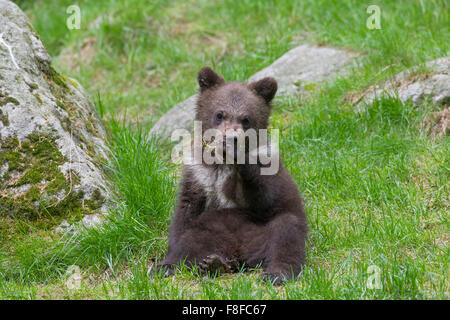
(214, 180)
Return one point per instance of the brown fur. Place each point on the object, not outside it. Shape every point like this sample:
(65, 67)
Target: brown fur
(230, 215)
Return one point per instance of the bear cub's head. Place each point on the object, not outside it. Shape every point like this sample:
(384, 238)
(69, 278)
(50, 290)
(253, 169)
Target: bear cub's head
(233, 106)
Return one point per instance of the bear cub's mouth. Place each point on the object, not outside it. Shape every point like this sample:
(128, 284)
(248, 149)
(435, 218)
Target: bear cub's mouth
(228, 146)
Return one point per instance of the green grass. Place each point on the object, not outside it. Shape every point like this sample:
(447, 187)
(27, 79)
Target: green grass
(375, 184)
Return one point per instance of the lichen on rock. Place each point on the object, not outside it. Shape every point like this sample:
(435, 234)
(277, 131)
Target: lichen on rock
(52, 143)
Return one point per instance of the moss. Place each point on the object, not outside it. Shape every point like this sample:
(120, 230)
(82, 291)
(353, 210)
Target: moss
(36, 204)
(42, 145)
(72, 203)
(10, 143)
(21, 207)
(56, 78)
(33, 86)
(4, 118)
(66, 124)
(38, 98)
(9, 154)
(36, 161)
(30, 214)
(61, 105)
(60, 90)
(96, 200)
(45, 158)
(57, 184)
(73, 82)
(30, 26)
(90, 126)
(4, 100)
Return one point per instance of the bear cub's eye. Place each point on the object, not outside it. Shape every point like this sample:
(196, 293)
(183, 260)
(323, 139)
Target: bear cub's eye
(219, 117)
(246, 123)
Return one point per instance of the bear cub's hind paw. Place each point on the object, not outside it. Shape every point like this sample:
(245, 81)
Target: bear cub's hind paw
(216, 264)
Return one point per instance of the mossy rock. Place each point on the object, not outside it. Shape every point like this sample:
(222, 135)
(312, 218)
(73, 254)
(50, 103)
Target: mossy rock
(52, 142)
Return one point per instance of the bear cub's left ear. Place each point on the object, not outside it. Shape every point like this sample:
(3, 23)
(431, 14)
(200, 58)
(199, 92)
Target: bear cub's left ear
(266, 88)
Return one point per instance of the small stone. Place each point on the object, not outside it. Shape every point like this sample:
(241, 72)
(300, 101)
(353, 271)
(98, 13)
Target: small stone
(74, 277)
(63, 227)
(92, 220)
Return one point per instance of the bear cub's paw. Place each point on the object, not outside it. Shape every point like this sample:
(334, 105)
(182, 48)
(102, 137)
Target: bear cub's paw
(215, 264)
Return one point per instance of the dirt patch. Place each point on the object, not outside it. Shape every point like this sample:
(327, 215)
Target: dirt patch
(438, 123)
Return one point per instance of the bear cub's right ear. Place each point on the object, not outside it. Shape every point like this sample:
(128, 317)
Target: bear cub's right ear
(207, 78)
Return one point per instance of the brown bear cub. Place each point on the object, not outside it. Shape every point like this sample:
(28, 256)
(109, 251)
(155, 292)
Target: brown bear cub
(230, 216)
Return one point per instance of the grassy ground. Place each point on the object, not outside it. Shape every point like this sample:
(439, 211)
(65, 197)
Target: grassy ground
(375, 184)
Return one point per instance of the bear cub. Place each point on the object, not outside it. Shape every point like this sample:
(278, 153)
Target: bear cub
(230, 216)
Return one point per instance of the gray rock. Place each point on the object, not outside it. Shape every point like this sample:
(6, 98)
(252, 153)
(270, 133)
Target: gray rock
(89, 221)
(52, 144)
(92, 220)
(414, 85)
(64, 227)
(304, 65)
(181, 116)
(294, 70)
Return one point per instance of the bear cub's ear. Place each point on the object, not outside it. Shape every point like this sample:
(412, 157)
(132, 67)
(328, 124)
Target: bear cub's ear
(207, 78)
(266, 88)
